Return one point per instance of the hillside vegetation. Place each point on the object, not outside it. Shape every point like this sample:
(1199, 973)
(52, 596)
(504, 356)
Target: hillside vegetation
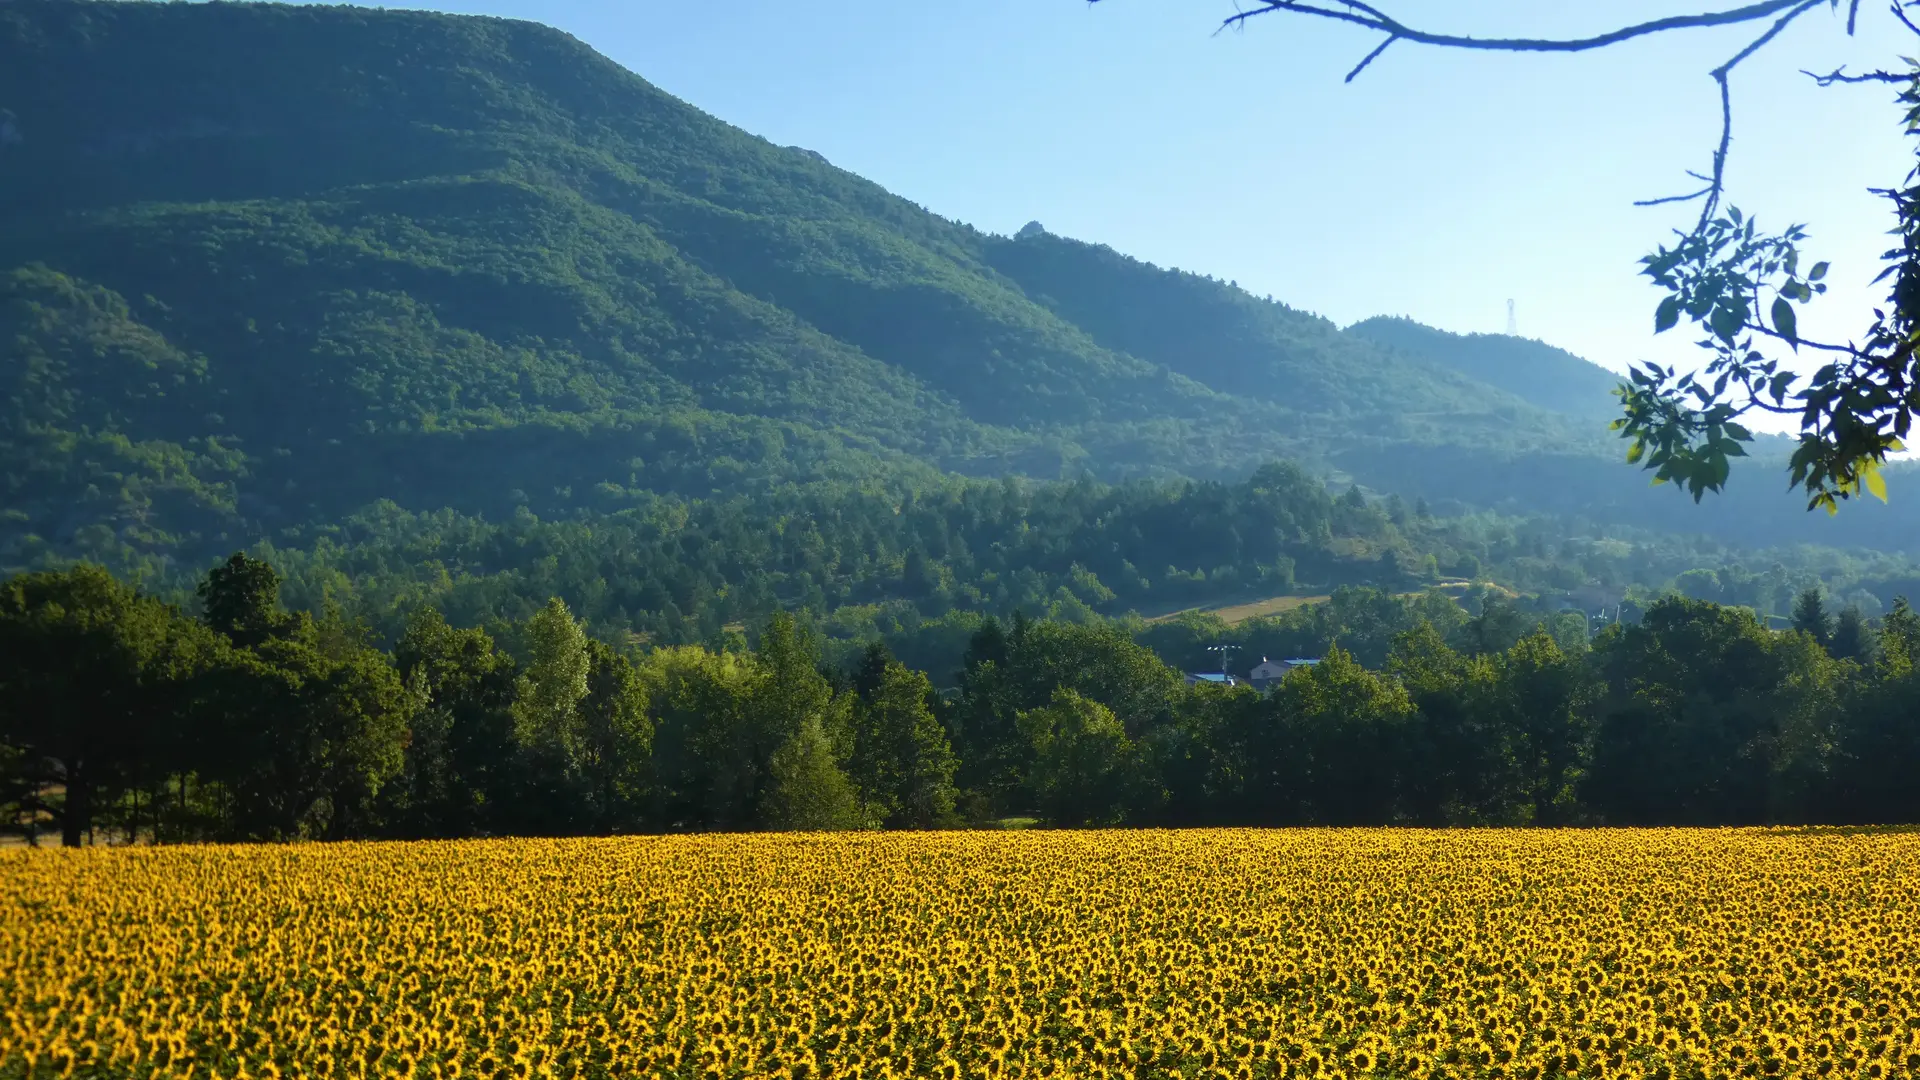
(264, 265)
(454, 308)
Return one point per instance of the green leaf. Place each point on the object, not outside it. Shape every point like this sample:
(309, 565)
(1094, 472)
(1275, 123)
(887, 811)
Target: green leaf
(1668, 316)
(1819, 271)
(1784, 320)
(1725, 323)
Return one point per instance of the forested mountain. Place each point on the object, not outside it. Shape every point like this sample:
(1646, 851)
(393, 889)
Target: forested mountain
(1532, 370)
(274, 273)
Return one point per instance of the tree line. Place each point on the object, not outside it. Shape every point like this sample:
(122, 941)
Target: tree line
(125, 717)
(879, 560)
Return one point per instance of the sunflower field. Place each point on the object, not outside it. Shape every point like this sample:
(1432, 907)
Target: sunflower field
(1308, 953)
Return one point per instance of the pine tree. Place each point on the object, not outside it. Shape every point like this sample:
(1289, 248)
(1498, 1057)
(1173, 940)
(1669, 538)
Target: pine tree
(1852, 637)
(902, 761)
(1810, 616)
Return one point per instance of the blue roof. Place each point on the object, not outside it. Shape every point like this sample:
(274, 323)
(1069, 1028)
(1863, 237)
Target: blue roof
(1299, 663)
(1212, 676)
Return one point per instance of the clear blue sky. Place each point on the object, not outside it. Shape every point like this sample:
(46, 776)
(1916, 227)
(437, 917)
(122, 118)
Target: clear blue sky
(1438, 185)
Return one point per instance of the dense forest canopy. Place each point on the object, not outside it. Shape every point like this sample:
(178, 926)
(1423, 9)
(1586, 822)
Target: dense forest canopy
(126, 716)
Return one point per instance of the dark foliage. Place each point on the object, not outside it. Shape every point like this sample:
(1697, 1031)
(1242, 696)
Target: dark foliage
(124, 715)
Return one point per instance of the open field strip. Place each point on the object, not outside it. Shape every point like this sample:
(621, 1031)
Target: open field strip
(1294, 953)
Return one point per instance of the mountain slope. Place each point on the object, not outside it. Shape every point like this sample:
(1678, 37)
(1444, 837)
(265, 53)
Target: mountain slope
(1547, 377)
(1217, 334)
(263, 265)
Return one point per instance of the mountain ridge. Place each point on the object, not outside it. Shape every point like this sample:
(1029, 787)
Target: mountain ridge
(465, 262)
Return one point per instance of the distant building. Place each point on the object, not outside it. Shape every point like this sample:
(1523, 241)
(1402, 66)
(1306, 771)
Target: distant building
(1214, 677)
(1268, 673)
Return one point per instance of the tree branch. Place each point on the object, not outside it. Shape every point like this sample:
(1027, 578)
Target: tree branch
(1717, 184)
(1362, 65)
(1899, 12)
(1839, 75)
(1364, 14)
(1372, 18)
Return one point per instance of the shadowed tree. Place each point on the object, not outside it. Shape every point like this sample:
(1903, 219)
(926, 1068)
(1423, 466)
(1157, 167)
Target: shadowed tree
(460, 751)
(1852, 637)
(1810, 616)
(240, 599)
(902, 761)
(95, 684)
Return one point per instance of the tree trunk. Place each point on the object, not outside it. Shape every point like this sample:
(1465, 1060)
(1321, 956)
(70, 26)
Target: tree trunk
(76, 817)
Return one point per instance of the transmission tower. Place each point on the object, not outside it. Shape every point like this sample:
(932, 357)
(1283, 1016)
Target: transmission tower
(1513, 324)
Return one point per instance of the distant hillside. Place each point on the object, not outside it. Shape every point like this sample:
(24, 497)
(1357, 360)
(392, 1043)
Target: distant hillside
(262, 266)
(1532, 370)
(1350, 391)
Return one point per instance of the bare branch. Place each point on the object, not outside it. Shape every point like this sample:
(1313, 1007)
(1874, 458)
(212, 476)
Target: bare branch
(1783, 12)
(1717, 185)
(1362, 65)
(1366, 15)
(1665, 199)
(1899, 12)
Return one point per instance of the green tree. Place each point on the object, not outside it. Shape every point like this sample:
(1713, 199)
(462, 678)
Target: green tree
(1900, 638)
(710, 750)
(809, 790)
(1810, 616)
(791, 692)
(1708, 718)
(95, 688)
(303, 722)
(1341, 744)
(547, 711)
(1544, 695)
(301, 741)
(1085, 770)
(616, 738)
(902, 761)
(1852, 637)
(460, 755)
(1099, 662)
(240, 599)
(1497, 627)
(1467, 766)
